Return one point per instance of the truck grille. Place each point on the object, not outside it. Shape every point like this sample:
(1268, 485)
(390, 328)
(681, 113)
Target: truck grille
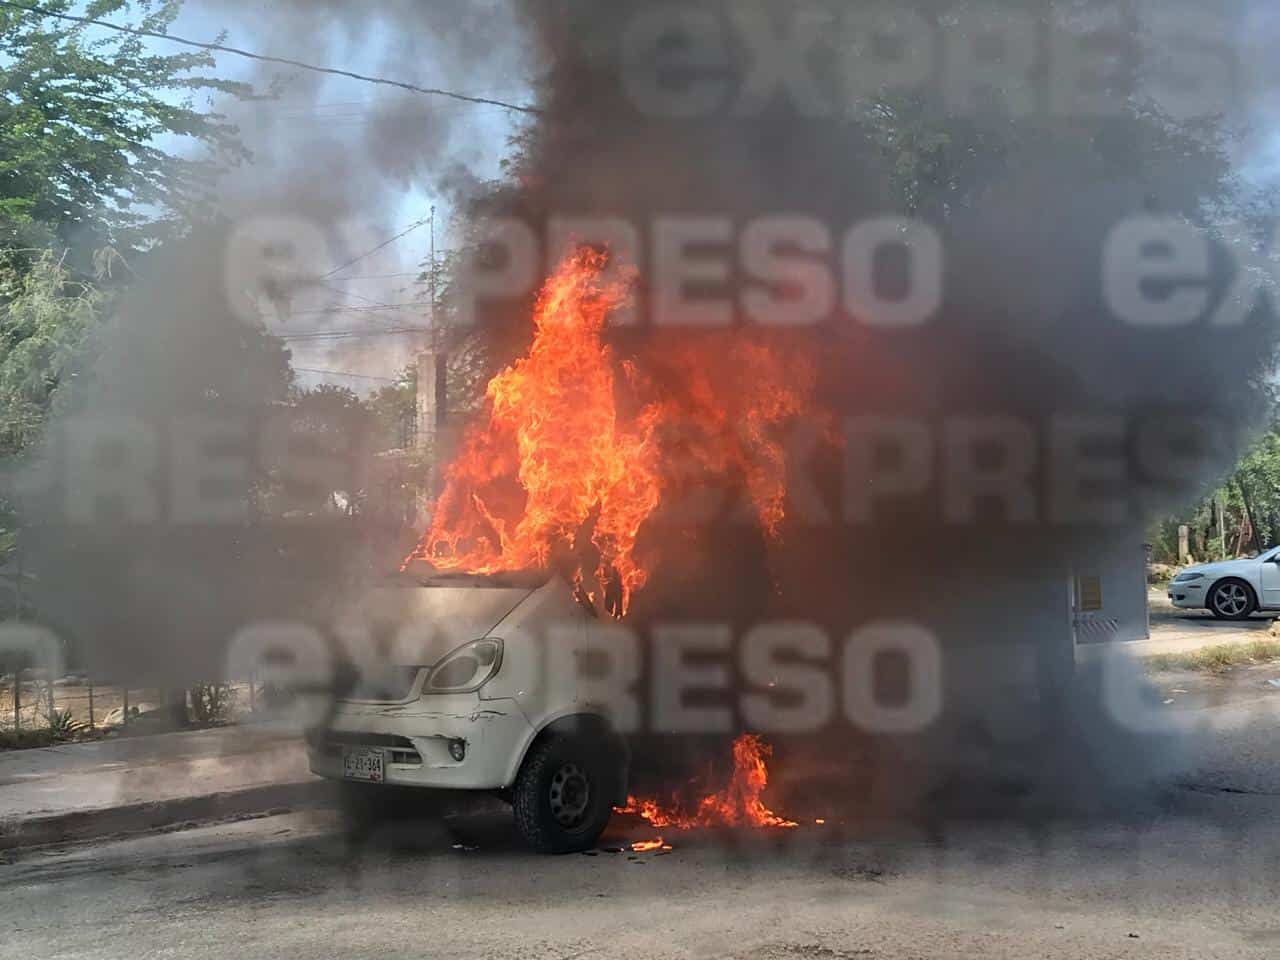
(385, 685)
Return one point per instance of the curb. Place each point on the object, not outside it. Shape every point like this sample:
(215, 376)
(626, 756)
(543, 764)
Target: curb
(156, 815)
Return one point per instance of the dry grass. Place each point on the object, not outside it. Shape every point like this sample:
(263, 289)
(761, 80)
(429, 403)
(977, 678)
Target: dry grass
(68, 698)
(73, 699)
(1217, 659)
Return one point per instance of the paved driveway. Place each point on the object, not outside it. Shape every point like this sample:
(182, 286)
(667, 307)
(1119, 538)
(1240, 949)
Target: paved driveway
(1177, 631)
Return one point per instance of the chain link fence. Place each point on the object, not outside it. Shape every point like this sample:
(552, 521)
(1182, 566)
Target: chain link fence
(75, 705)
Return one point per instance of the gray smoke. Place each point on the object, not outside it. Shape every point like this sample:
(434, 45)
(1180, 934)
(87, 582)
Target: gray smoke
(188, 392)
(1024, 205)
(346, 155)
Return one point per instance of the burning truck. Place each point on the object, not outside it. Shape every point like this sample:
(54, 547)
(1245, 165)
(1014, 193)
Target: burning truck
(509, 713)
(517, 657)
(533, 555)
(473, 715)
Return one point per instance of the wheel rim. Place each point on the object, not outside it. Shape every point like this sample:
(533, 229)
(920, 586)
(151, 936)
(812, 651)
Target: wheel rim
(1231, 600)
(570, 795)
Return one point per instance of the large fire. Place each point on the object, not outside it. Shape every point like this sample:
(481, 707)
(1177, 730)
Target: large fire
(737, 804)
(578, 448)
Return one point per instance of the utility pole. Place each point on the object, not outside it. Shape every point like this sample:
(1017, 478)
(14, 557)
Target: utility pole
(431, 280)
(441, 350)
(1222, 529)
(17, 667)
(433, 377)
(427, 411)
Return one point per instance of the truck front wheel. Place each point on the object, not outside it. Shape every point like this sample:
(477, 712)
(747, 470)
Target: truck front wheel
(563, 795)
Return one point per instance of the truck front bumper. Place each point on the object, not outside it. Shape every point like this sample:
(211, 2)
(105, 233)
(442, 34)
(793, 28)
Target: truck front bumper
(420, 741)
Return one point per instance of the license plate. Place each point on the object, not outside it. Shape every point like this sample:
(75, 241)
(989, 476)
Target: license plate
(362, 764)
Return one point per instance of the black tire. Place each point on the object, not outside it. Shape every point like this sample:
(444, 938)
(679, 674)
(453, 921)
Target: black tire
(1232, 599)
(551, 812)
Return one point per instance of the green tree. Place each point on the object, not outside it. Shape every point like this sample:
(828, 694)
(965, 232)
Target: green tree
(47, 323)
(82, 120)
(394, 411)
(1255, 486)
(1250, 501)
(320, 468)
(46, 319)
(103, 148)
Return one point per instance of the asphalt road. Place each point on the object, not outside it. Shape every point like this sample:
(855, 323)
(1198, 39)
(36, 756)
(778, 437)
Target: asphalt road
(1185, 870)
(1174, 629)
(1193, 874)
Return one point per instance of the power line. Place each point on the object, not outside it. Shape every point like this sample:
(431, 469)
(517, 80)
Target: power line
(382, 276)
(344, 373)
(343, 308)
(351, 293)
(368, 253)
(300, 121)
(292, 108)
(379, 304)
(370, 310)
(285, 61)
(350, 334)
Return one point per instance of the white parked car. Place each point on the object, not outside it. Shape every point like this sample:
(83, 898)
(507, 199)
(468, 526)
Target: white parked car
(1231, 589)
(463, 701)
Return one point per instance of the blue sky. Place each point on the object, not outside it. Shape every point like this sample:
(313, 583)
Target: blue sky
(344, 34)
(341, 109)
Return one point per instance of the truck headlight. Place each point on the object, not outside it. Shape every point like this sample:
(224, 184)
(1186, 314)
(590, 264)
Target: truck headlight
(1188, 577)
(466, 669)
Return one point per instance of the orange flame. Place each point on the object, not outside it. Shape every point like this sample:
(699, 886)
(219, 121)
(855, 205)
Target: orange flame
(555, 469)
(738, 804)
(553, 453)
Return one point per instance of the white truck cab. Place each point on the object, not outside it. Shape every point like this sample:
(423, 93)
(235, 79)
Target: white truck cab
(466, 696)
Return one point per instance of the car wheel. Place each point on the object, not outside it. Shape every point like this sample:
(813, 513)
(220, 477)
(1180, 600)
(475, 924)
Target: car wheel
(563, 795)
(1232, 600)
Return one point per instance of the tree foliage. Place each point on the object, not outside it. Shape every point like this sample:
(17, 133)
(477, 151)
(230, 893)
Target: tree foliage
(47, 319)
(394, 409)
(1250, 510)
(103, 141)
(104, 147)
